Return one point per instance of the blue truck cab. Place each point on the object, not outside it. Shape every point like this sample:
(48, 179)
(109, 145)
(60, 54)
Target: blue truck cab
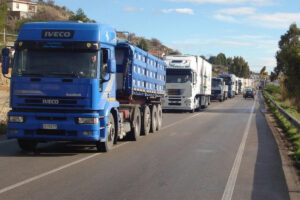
(75, 82)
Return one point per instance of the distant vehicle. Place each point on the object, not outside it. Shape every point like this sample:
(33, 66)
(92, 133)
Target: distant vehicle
(249, 93)
(240, 85)
(78, 82)
(230, 81)
(188, 83)
(219, 90)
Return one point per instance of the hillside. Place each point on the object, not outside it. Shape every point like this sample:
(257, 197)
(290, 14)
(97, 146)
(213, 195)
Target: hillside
(48, 11)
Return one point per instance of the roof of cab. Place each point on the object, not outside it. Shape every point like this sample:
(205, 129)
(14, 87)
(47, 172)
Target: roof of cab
(90, 32)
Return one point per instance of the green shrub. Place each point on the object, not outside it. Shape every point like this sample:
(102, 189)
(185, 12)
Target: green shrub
(273, 89)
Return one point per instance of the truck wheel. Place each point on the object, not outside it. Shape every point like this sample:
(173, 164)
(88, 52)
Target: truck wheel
(27, 145)
(111, 136)
(159, 117)
(146, 122)
(153, 119)
(136, 125)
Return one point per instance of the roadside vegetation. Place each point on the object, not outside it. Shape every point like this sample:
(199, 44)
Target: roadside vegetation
(291, 133)
(277, 95)
(287, 70)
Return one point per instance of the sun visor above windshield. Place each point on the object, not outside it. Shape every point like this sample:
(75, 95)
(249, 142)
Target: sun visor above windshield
(72, 31)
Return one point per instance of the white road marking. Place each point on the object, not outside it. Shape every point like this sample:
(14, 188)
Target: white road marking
(229, 188)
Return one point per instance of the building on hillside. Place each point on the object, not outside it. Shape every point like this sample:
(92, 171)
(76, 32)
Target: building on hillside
(21, 9)
(157, 53)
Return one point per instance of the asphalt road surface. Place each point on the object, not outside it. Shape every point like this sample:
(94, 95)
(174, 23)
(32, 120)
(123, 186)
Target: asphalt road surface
(224, 152)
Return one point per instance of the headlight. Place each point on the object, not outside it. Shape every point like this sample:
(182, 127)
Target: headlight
(16, 119)
(87, 120)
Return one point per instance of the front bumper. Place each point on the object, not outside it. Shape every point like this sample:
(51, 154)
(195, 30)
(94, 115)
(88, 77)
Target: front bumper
(56, 127)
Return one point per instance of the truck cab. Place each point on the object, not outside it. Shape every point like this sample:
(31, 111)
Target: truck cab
(219, 90)
(188, 83)
(230, 81)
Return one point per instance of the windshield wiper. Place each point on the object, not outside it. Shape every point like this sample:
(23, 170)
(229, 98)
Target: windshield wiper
(64, 74)
(32, 74)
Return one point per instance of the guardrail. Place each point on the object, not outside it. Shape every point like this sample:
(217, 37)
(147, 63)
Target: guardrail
(288, 116)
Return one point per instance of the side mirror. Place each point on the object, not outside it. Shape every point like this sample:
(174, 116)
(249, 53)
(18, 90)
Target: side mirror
(5, 60)
(111, 66)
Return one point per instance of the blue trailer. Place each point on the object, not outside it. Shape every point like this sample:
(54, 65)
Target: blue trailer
(78, 82)
(230, 80)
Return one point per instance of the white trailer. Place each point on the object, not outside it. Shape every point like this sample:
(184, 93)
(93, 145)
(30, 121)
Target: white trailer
(188, 83)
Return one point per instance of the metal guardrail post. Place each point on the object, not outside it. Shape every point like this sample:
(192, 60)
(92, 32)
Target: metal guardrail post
(288, 116)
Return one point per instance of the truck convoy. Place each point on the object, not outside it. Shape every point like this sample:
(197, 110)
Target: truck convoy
(77, 82)
(188, 83)
(230, 81)
(219, 90)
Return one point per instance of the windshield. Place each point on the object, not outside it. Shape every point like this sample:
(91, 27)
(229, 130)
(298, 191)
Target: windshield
(179, 78)
(216, 83)
(227, 80)
(55, 63)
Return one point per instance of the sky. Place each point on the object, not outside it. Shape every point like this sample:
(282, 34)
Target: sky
(247, 28)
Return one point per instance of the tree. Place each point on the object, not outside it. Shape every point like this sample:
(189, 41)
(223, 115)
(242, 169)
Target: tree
(155, 42)
(203, 57)
(143, 45)
(3, 12)
(239, 67)
(80, 16)
(288, 62)
(273, 76)
(221, 59)
(263, 70)
(212, 60)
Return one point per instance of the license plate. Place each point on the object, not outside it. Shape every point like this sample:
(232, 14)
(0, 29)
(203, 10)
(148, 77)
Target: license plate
(50, 126)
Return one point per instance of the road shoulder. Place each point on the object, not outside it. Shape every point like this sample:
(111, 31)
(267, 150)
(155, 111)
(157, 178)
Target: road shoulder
(290, 172)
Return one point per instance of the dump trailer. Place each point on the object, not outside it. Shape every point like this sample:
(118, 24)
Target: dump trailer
(230, 81)
(219, 90)
(78, 82)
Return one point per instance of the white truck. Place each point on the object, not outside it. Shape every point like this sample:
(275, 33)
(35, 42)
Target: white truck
(188, 83)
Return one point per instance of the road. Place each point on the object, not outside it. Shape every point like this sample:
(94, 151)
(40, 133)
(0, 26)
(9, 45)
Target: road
(224, 152)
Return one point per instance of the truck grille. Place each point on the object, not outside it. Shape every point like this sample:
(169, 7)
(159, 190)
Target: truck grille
(175, 91)
(41, 101)
(173, 101)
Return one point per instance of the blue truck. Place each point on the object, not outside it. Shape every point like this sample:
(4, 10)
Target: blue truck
(230, 81)
(78, 82)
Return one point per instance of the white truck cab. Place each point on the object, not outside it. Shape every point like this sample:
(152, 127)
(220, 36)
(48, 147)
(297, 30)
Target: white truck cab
(188, 83)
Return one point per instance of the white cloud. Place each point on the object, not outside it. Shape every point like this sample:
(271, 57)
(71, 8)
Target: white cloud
(129, 9)
(225, 18)
(276, 20)
(248, 37)
(187, 11)
(237, 11)
(234, 43)
(228, 2)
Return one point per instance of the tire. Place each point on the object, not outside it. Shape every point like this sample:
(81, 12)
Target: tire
(146, 120)
(27, 145)
(159, 117)
(111, 136)
(136, 125)
(153, 119)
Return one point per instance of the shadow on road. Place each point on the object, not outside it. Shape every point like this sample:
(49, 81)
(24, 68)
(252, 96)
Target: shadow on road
(269, 181)
(51, 149)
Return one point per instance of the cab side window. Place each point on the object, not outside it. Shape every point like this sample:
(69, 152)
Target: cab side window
(105, 53)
